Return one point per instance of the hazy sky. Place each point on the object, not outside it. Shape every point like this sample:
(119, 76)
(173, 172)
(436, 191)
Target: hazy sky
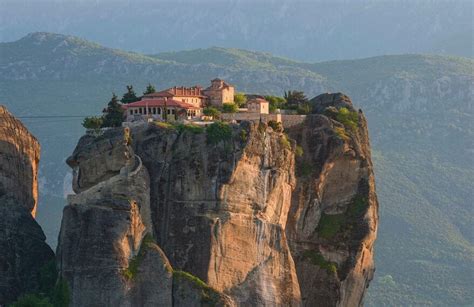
(305, 30)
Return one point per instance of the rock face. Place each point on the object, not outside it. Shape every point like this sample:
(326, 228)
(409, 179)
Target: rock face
(20, 154)
(220, 211)
(171, 216)
(22, 242)
(334, 213)
(106, 249)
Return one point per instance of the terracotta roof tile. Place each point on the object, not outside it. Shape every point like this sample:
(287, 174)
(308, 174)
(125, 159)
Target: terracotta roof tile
(159, 103)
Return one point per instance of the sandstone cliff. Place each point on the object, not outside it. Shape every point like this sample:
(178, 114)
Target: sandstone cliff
(22, 243)
(171, 215)
(333, 220)
(106, 250)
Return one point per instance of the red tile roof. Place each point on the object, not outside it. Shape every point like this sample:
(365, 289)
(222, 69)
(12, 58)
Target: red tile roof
(159, 103)
(257, 100)
(164, 93)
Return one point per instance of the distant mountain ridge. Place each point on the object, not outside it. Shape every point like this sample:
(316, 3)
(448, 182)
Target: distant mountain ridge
(419, 110)
(306, 30)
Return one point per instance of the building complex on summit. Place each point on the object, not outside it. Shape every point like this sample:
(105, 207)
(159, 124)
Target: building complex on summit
(188, 102)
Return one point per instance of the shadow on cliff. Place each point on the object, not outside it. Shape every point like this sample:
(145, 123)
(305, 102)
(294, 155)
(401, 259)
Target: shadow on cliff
(25, 257)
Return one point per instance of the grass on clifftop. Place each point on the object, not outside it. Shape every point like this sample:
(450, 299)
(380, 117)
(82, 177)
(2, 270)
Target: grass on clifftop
(190, 127)
(164, 125)
(179, 127)
(350, 119)
(217, 132)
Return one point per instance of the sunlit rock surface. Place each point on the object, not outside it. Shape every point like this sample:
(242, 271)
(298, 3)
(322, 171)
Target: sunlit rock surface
(23, 250)
(261, 218)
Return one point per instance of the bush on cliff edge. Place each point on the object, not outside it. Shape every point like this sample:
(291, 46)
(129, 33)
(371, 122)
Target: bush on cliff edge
(217, 132)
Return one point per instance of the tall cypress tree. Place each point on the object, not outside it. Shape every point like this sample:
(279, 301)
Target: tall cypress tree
(295, 98)
(150, 89)
(113, 114)
(129, 96)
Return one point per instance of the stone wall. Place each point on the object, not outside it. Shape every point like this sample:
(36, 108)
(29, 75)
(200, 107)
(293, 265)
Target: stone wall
(288, 121)
(292, 120)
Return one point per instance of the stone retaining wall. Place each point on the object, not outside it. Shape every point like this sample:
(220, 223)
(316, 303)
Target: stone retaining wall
(287, 120)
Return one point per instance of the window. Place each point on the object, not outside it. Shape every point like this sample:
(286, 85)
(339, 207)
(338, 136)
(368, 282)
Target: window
(159, 110)
(131, 112)
(140, 110)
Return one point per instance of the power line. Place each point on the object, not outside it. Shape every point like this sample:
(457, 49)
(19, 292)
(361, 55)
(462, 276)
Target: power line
(50, 116)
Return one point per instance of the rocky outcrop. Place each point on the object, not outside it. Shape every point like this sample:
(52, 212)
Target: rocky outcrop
(220, 211)
(334, 213)
(239, 215)
(106, 250)
(24, 252)
(20, 154)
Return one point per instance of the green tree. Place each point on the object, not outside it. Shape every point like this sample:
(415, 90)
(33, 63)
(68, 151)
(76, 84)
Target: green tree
(348, 118)
(295, 98)
(304, 108)
(275, 102)
(211, 111)
(48, 276)
(61, 294)
(240, 99)
(32, 300)
(230, 108)
(218, 131)
(113, 114)
(92, 122)
(129, 96)
(149, 89)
